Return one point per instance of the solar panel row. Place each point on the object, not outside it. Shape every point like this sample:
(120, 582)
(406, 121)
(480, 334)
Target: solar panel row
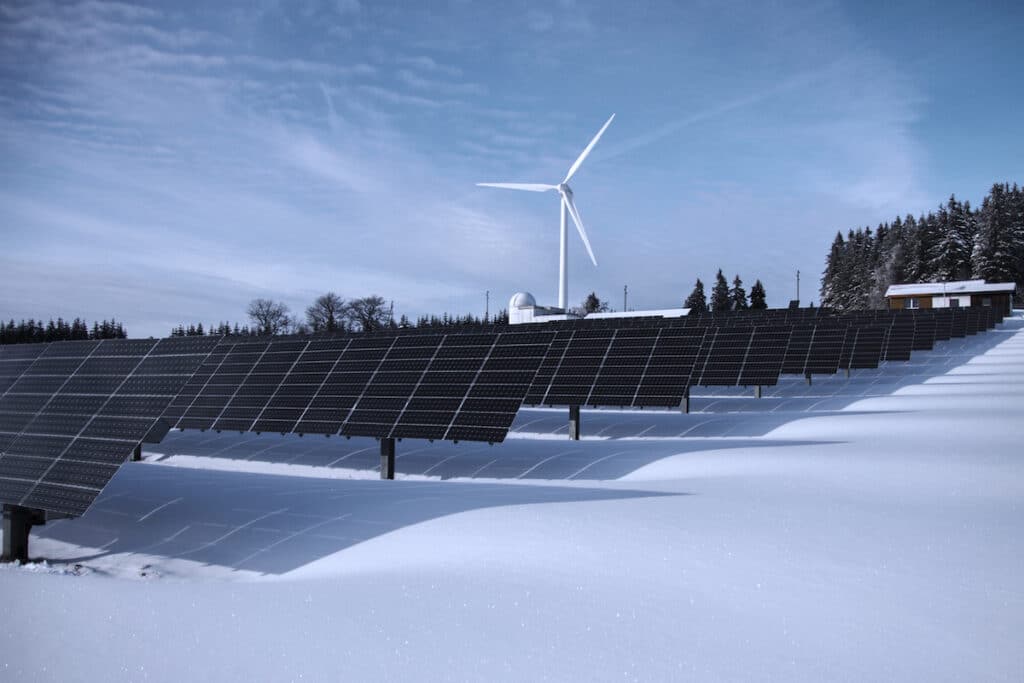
(461, 386)
(72, 412)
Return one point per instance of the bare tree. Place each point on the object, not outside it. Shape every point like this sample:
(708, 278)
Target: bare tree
(368, 313)
(327, 314)
(269, 317)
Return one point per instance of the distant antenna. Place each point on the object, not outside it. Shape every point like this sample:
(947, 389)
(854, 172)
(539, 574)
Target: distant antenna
(487, 305)
(798, 287)
(625, 293)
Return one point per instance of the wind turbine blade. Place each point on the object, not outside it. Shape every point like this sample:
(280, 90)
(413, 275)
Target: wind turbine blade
(529, 187)
(583, 155)
(571, 205)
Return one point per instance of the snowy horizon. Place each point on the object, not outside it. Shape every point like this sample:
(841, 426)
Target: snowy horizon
(166, 163)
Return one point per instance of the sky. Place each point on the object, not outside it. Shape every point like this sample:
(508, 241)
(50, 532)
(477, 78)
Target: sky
(166, 163)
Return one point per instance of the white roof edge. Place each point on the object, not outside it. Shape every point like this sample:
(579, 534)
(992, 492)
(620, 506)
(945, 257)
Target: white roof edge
(950, 288)
(660, 313)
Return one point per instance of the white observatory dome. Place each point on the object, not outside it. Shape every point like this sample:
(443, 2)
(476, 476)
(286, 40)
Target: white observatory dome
(521, 300)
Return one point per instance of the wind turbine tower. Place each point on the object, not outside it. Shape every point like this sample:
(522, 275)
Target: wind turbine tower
(567, 208)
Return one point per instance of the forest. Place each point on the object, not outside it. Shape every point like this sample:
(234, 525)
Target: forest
(954, 242)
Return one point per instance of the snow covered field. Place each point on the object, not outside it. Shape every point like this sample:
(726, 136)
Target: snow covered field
(857, 529)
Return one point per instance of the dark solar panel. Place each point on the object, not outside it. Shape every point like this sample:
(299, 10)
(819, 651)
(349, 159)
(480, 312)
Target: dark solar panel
(722, 355)
(764, 358)
(667, 375)
(866, 349)
(78, 412)
(900, 340)
(826, 349)
(798, 350)
(924, 331)
(975, 323)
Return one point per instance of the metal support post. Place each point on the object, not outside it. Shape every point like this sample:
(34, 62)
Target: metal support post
(387, 458)
(686, 400)
(574, 423)
(808, 378)
(18, 522)
(137, 453)
(757, 391)
(847, 373)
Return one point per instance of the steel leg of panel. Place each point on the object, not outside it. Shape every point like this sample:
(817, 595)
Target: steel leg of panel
(686, 401)
(137, 453)
(387, 458)
(757, 391)
(808, 378)
(574, 423)
(18, 522)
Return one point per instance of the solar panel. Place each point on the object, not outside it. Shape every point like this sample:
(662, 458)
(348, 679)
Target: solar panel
(826, 349)
(865, 350)
(763, 360)
(721, 357)
(924, 331)
(666, 377)
(798, 350)
(498, 389)
(974, 320)
(900, 340)
(79, 410)
(457, 386)
(549, 365)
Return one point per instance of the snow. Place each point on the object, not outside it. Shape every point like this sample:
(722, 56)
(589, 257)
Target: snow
(855, 529)
(975, 286)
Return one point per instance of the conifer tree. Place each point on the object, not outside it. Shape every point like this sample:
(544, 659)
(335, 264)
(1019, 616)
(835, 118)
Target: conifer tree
(738, 295)
(697, 302)
(757, 297)
(720, 294)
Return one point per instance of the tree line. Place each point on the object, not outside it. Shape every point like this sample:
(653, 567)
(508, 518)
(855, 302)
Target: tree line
(331, 313)
(726, 298)
(32, 331)
(955, 242)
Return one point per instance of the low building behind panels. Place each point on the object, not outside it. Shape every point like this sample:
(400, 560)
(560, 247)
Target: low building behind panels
(962, 293)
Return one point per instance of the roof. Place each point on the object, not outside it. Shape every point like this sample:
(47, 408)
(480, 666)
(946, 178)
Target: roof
(958, 287)
(659, 313)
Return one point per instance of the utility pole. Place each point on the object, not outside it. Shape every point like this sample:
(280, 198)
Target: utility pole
(798, 287)
(487, 305)
(625, 294)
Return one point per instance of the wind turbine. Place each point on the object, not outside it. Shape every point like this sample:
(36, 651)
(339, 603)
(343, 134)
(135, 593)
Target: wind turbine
(568, 206)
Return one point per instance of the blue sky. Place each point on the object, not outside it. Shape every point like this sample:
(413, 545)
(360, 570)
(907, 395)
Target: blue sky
(167, 163)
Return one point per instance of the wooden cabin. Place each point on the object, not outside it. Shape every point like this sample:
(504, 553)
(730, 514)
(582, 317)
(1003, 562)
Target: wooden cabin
(962, 293)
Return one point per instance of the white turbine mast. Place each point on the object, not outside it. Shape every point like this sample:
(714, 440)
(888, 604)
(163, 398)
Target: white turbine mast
(568, 207)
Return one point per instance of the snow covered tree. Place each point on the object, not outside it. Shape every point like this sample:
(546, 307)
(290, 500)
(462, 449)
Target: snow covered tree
(697, 302)
(952, 256)
(830, 277)
(720, 294)
(999, 242)
(738, 295)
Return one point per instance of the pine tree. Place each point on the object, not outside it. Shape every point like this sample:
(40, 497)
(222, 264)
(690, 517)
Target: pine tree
(955, 239)
(999, 242)
(738, 295)
(720, 294)
(697, 302)
(757, 297)
(830, 277)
